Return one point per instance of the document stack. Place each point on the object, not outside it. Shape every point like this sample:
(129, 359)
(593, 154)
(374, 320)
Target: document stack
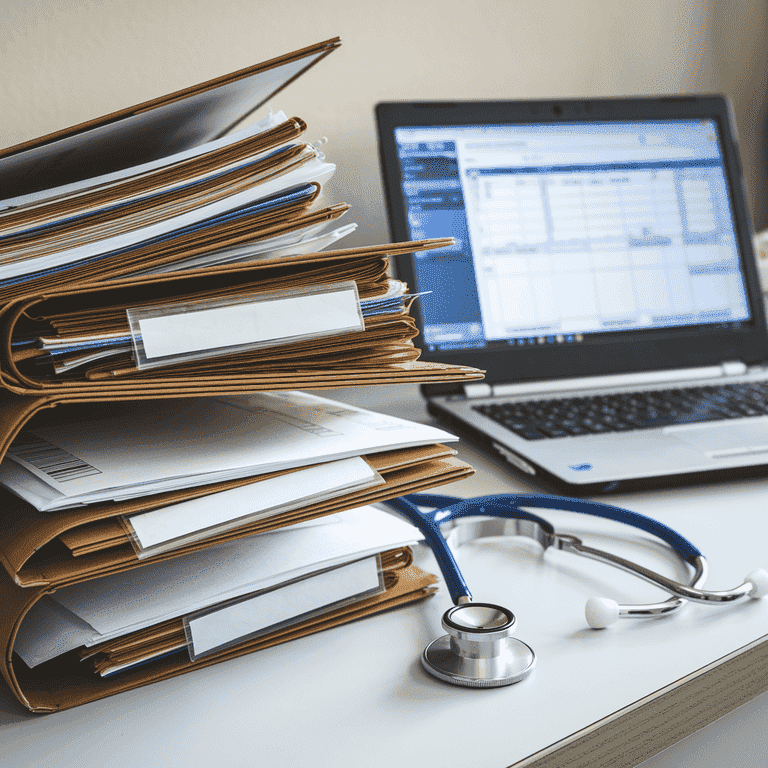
(169, 498)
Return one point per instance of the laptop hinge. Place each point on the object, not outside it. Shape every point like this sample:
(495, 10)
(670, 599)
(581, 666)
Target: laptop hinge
(477, 389)
(727, 368)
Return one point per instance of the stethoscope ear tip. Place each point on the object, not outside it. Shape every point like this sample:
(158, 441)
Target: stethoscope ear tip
(601, 612)
(759, 581)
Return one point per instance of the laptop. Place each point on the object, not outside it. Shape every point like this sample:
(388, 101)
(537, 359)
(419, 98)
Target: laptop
(603, 276)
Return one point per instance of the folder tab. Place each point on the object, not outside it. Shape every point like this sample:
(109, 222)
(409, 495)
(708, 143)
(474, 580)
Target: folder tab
(237, 621)
(167, 334)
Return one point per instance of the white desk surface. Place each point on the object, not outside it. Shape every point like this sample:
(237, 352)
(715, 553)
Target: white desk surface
(357, 696)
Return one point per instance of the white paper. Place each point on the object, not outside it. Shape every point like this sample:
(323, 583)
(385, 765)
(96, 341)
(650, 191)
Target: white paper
(300, 246)
(48, 630)
(269, 320)
(236, 621)
(91, 357)
(155, 446)
(176, 524)
(112, 606)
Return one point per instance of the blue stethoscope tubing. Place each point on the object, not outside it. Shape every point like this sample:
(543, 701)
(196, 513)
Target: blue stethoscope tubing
(448, 508)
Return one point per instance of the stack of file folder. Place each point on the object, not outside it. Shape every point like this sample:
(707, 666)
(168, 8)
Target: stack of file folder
(169, 499)
(112, 229)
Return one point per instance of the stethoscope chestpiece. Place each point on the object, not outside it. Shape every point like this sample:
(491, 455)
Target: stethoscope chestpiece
(478, 651)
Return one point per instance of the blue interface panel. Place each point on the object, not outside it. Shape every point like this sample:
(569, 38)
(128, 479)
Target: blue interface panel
(570, 229)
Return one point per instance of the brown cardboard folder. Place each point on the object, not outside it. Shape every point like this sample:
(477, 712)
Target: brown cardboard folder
(152, 163)
(61, 223)
(43, 551)
(153, 129)
(66, 681)
(44, 548)
(57, 200)
(382, 353)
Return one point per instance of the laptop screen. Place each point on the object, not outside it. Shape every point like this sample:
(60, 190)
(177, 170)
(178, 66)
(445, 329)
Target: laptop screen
(570, 232)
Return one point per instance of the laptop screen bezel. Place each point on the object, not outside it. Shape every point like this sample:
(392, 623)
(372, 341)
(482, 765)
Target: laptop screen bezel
(680, 347)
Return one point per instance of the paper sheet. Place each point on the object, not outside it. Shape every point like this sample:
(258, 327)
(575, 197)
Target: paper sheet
(154, 446)
(300, 241)
(48, 630)
(155, 592)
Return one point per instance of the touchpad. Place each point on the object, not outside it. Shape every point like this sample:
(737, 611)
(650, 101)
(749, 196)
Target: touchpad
(728, 438)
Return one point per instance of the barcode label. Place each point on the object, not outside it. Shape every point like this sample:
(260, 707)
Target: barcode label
(50, 459)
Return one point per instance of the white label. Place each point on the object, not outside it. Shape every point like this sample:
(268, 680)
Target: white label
(229, 624)
(178, 522)
(241, 324)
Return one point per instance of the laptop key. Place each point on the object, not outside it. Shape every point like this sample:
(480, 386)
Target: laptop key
(530, 433)
(577, 430)
(554, 431)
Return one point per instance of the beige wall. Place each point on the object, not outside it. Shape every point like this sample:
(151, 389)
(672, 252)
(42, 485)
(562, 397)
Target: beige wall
(64, 61)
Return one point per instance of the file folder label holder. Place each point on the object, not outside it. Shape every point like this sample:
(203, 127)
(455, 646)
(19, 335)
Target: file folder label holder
(169, 334)
(226, 624)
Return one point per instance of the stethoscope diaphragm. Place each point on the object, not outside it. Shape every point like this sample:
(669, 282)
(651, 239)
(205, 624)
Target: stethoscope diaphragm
(478, 651)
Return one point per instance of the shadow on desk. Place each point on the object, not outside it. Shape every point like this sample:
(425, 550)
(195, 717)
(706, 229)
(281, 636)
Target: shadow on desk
(10, 709)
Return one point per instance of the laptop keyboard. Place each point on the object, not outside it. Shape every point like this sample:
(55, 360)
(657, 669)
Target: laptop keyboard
(565, 417)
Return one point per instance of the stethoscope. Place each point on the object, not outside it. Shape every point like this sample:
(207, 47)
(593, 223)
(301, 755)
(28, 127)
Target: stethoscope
(478, 651)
